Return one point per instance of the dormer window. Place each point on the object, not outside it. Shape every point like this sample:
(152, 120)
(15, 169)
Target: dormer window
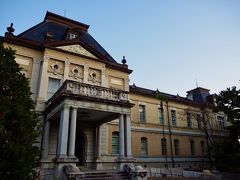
(49, 36)
(72, 36)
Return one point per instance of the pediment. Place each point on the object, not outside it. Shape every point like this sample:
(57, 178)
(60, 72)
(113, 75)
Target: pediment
(76, 48)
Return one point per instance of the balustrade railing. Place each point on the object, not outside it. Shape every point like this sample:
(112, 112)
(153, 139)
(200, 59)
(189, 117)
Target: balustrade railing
(88, 90)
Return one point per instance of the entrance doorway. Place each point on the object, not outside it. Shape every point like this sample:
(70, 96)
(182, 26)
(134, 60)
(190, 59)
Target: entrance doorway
(80, 145)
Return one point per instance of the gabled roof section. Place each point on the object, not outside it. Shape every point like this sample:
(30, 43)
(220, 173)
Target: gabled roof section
(56, 28)
(63, 20)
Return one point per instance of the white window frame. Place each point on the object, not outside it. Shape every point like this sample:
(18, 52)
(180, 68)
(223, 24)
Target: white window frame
(145, 112)
(53, 77)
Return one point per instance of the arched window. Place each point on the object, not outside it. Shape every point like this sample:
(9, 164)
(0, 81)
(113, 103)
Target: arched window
(144, 146)
(115, 142)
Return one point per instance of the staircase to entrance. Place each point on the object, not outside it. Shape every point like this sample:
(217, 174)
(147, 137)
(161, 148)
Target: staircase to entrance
(74, 172)
(105, 175)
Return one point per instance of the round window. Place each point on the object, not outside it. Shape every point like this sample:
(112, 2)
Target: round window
(55, 67)
(75, 71)
(94, 75)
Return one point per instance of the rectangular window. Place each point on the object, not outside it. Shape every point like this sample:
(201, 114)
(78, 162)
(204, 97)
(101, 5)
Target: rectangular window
(161, 116)
(115, 143)
(202, 147)
(220, 122)
(142, 113)
(192, 147)
(164, 146)
(174, 118)
(144, 145)
(176, 147)
(189, 120)
(53, 86)
(199, 121)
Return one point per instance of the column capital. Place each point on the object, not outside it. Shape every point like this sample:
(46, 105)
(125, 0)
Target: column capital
(46, 58)
(65, 106)
(37, 60)
(67, 63)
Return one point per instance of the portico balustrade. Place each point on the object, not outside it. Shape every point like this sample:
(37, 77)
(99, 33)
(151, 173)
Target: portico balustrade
(87, 90)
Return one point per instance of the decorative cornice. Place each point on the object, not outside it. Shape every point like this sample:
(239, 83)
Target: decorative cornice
(39, 46)
(22, 42)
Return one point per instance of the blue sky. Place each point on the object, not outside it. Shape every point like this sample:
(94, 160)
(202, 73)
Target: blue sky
(170, 44)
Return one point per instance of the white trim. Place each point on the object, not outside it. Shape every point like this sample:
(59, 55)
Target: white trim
(160, 131)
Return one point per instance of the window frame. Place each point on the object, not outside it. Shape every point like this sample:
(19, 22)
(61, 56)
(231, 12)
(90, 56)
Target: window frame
(164, 146)
(51, 93)
(221, 122)
(115, 146)
(176, 147)
(174, 117)
(161, 116)
(202, 145)
(142, 113)
(192, 147)
(189, 119)
(144, 146)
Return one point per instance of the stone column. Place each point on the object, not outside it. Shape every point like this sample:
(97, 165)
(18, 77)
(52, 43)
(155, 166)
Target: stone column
(43, 85)
(72, 134)
(45, 142)
(66, 71)
(128, 142)
(99, 142)
(126, 84)
(85, 73)
(35, 77)
(121, 137)
(43, 80)
(103, 77)
(63, 133)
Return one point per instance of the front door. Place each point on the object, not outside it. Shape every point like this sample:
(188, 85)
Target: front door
(80, 147)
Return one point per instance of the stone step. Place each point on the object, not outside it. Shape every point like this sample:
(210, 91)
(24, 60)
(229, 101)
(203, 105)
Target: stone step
(111, 175)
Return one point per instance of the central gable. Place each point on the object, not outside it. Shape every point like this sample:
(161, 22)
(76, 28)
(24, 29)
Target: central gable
(77, 49)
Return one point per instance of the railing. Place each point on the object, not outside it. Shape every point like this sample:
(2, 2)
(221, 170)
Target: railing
(88, 90)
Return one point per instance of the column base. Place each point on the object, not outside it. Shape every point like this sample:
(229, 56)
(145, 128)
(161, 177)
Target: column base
(46, 163)
(60, 162)
(67, 159)
(122, 161)
(98, 165)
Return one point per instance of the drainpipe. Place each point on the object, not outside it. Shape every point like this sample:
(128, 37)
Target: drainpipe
(163, 125)
(170, 135)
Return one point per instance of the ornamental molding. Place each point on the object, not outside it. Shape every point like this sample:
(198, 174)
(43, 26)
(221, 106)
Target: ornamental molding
(77, 49)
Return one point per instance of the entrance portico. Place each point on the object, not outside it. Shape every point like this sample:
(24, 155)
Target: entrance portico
(75, 113)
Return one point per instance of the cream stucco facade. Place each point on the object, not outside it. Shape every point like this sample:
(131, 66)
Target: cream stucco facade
(91, 115)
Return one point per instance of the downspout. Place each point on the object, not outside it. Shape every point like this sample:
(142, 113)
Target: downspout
(163, 125)
(170, 135)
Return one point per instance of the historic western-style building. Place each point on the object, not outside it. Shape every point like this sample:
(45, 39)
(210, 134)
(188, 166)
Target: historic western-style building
(93, 119)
